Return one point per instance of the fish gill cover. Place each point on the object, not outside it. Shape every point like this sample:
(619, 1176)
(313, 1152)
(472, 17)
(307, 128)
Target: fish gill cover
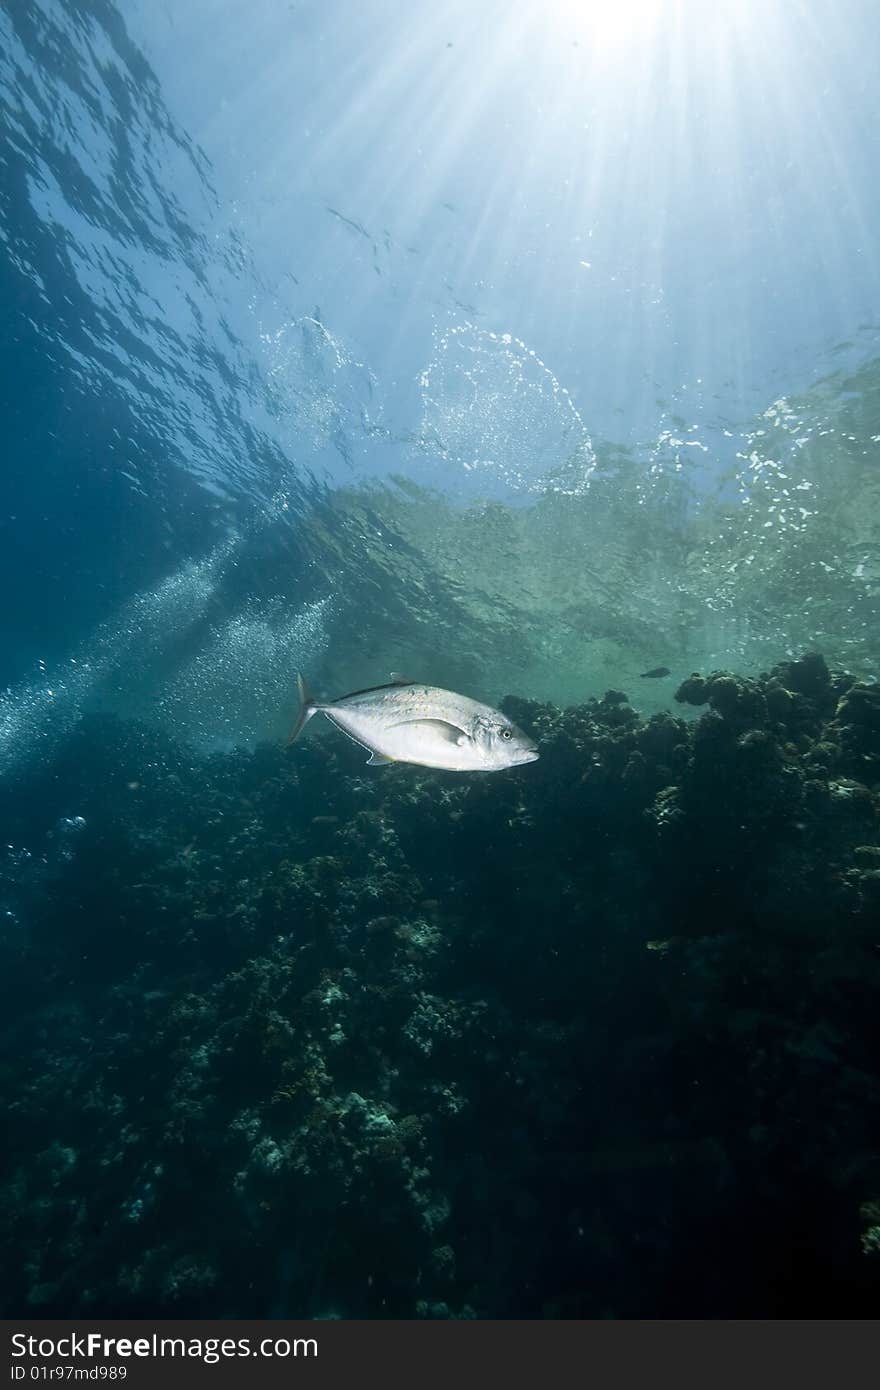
(285, 1036)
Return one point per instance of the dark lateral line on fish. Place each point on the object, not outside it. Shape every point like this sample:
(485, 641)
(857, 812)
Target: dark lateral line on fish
(371, 690)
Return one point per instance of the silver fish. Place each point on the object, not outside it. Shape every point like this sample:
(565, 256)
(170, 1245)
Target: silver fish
(406, 722)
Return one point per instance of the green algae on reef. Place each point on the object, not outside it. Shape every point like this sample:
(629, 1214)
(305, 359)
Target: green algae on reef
(599, 1038)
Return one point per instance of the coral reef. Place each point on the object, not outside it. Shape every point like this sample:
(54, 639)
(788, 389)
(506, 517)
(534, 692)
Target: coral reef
(285, 1036)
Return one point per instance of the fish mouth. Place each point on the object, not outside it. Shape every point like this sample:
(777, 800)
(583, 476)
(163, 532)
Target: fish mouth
(530, 755)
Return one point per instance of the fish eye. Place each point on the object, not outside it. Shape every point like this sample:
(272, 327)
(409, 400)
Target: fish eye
(505, 733)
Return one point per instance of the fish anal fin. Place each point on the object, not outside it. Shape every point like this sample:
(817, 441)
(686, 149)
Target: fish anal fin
(378, 760)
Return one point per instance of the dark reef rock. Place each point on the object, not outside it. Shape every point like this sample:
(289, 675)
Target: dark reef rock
(286, 1036)
(808, 676)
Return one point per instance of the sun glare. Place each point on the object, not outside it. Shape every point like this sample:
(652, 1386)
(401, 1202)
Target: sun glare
(608, 22)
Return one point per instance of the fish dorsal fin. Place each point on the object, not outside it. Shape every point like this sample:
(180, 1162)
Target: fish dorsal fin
(440, 728)
(397, 678)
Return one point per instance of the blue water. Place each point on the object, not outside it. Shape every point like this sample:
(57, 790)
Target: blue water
(526, 348)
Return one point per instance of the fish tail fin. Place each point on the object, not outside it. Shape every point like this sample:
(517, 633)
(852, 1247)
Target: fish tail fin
(307, 707)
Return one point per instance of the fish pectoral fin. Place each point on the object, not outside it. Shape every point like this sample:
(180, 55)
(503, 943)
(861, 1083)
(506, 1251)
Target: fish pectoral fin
(438, 728)
(378, 760)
